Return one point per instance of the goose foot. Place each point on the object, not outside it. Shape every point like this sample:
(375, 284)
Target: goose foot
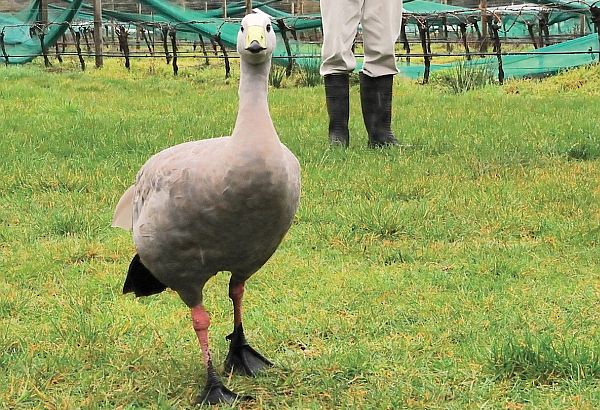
(242, 358)
(215, 392)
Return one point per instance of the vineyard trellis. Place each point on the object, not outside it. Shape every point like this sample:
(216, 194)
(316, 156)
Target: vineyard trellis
(431, 25)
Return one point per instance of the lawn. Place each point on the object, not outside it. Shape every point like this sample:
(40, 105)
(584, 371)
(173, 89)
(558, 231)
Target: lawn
(458, 272)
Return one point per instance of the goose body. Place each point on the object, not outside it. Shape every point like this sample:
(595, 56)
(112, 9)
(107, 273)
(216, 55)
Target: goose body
(221, 204)
(214, 205)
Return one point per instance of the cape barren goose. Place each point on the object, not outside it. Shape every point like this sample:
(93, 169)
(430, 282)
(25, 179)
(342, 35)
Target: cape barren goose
(221, 204)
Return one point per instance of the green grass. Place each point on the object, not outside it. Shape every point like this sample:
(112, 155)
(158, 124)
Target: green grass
(458, 272)
(464, 76)
(540, 360)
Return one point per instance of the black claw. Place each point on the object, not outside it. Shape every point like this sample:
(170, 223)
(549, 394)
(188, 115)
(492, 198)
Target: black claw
(242, 358)
(215, 392)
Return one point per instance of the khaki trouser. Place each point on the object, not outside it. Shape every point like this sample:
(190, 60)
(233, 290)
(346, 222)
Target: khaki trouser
(381, 21)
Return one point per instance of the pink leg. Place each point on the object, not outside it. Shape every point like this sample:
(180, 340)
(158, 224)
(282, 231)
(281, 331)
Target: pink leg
(236, 294)
(214, 392)
(201, 323)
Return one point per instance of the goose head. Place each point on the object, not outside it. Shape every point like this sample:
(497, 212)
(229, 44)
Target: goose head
(256, 39)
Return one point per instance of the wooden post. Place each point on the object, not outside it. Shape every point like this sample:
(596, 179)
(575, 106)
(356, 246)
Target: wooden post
(224, 9)
(595, 11)
(113, 25)
(137, 31)
(248, 6)
(43, 16)
(484, 26)
(445, 25)
(43, 21)
(98, 33)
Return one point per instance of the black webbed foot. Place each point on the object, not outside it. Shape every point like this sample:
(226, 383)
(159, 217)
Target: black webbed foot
(242, 358)
(215, 392)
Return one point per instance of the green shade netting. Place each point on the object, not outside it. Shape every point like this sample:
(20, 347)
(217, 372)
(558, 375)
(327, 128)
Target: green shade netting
(23, 48)
(532, 65)
(560, 23)
(516, 19)
(568, 4)
(16, 27)
(170, 10)
(20, 44)
(199, 22)
(227, 30)
(180, 18)
(437, 13)
(158, 16)
(294, 22)
(29, 14)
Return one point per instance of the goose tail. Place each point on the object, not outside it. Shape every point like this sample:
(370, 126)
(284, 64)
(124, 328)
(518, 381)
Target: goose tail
(140, 280)
(123, 217)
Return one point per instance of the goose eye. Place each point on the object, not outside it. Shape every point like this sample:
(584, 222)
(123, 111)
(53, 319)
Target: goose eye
(268, 28)
(242, 28)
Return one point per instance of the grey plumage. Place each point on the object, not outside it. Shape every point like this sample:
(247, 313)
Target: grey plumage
(221, 204)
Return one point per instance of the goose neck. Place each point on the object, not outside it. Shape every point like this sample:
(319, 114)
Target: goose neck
(253, 86)
(253, 109)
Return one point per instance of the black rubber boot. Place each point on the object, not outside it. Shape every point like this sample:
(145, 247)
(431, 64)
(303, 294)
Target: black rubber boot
(376, 102)
(337, 94)
(242, 358)
(215, 391)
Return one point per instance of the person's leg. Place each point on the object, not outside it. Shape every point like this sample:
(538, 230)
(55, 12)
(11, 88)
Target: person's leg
(340, 21)
(381, 27)
(337, 98)
(381, 23)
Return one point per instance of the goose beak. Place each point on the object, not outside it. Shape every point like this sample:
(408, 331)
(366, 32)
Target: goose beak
(256, 40)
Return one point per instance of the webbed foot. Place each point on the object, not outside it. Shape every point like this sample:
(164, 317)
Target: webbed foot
(242, 358)
(215, 392)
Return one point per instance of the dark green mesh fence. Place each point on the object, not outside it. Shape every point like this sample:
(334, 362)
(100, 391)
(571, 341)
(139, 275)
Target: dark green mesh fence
(21, 45)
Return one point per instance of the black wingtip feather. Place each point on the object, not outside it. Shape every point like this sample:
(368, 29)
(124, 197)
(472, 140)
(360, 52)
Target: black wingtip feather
(140, 280)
